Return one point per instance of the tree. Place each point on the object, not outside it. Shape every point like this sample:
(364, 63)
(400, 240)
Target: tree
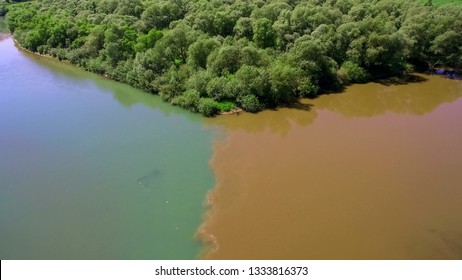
(199, 51)
(263, 33)
(243, 28)
(250, 103)
(224, 60)
(253, 81)
(283, 79)
(148, 41)
(351, 72)
(208, 107)
(176, 43)
(447, 49)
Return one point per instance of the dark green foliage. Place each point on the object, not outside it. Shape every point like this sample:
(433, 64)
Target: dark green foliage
(284, 80)
(263, 33)
(189, 100)
(253, 81)
(243, 28)
(209, 56)
(200, 50)
(199, 81)
(216, 88)
(208, 107)
(351, 72)
(250, 103)
(226, 60)
(3, 9)
(172, 83)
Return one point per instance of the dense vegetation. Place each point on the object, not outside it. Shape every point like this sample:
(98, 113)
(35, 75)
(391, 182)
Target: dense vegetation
(5, 3)
(211, 56)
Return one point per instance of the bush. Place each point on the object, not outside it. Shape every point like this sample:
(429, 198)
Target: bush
(408, 68)
(351, 72)
(198, 82)
(189, 100)
(208, 107)
(121, 70)
(216, 88)
(307, 88)
(172, 83)
(96, 65)
(343, 76)
(250, 103)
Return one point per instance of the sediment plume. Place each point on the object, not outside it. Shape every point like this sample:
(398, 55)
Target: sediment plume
(341, 180)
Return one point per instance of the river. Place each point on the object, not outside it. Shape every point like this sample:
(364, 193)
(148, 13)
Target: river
(93, 169)
(371, 173)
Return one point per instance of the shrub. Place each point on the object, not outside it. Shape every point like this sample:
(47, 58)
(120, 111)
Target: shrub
(198, 81)
(96, 65)
(343, 76)
(250, 103)
(408, 68)
(189, 100)
(352, 72)
(216, 88)
(208, 107)
(307, 88)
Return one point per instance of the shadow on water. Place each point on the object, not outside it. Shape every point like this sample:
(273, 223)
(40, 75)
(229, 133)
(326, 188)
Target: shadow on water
(300, 106)
(277, 120)
(416, 95)
(402, 80)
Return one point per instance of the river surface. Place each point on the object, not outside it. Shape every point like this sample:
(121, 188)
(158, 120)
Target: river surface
(93, 169)
(372, 173)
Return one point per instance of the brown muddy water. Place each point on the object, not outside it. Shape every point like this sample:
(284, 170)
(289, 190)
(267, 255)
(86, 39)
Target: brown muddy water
(372, 173)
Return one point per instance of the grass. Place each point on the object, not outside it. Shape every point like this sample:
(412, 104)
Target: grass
(226, 106)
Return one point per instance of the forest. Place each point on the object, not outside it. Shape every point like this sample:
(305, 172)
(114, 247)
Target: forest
(213, 56)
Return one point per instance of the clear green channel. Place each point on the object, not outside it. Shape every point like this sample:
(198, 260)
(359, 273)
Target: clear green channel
(94, 169)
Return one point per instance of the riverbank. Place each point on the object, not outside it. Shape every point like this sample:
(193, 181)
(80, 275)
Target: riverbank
(390, 77)
(235, 111)
(245, 61)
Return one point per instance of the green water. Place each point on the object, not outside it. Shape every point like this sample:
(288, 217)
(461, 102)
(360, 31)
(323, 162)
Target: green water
(93, 169)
